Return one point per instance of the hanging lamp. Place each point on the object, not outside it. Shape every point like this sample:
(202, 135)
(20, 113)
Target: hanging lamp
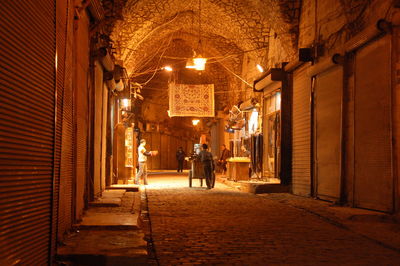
(198, 62)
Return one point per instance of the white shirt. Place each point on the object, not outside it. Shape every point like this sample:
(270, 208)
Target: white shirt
(141, 151)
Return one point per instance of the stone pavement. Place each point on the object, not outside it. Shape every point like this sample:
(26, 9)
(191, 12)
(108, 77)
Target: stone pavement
(224, 226)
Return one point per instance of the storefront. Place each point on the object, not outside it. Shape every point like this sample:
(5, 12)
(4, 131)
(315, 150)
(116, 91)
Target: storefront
(124, 143)
(272, 134)
(276, 126)
(246, 142)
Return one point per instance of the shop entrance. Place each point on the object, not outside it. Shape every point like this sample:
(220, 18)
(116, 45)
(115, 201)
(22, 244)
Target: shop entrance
(272, 129)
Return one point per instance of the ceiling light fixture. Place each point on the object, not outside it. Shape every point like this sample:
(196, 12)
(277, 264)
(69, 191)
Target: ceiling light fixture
(167, 68)
(198, 62)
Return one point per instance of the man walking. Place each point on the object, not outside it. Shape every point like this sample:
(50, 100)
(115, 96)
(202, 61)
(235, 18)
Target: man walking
(142, 158)
(207, 160)
(180, 157)
(225, 154)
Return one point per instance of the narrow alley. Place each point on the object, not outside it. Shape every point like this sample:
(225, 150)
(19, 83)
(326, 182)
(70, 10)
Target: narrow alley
(113, 111)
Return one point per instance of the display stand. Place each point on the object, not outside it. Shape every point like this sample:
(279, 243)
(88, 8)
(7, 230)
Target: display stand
(238, 169)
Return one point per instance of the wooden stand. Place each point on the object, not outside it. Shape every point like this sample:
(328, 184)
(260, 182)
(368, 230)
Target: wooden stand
(238, 170)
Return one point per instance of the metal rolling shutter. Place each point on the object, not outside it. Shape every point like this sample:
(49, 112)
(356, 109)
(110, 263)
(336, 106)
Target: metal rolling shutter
(64, 79)
(156, 145)
(164, 151)
(327, 115)
(171, 151)
(27, 92)
(81, 111)
(104, 138)
(98, 107)
(301, 164)
(373, 184)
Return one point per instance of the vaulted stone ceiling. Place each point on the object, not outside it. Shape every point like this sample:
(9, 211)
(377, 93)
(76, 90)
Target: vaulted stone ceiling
(152, 33)
(226, 25)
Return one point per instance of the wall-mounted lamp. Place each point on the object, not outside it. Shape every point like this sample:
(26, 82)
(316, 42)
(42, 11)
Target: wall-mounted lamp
(260, 68)
(195, 122)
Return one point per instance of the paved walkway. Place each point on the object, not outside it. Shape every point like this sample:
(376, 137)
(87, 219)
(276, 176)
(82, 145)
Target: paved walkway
(227, 227)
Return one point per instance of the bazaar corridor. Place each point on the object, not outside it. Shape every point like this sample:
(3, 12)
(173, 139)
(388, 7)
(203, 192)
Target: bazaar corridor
(294, 105)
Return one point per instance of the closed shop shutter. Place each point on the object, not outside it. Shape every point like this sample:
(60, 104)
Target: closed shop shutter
(64, 77)
(373, 184)
(27, 124)
(301, 164)
(81, 110)
(327, 117)
(172, 147)
(98, 114)
(104, 137)
(164, 151)
(156, 142)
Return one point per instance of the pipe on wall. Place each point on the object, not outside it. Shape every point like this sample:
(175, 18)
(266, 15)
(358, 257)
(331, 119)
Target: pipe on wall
(381, 27)
(325, 64)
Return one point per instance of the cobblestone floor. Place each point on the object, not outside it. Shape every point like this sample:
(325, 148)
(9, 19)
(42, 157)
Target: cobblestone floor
(225, 227)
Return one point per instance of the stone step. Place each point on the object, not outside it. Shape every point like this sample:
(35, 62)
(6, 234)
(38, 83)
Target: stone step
(106, 202)
(114, 221)
(126, 187)
(104, 247)
(255, 187)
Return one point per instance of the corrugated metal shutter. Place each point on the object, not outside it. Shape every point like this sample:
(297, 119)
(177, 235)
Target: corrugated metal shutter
(301, 164)
(327, 117)
(98, 107)
(104, 137)
(373, 184)
(164, 151)
(172, 157)
(81, 111)
(27, 119)
(156, 145)
(64, 79)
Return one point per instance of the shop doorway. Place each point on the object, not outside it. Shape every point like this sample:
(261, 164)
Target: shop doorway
(272, 135)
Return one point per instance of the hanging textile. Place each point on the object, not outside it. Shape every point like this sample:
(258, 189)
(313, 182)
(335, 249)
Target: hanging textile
(191, 100)
(256, 153)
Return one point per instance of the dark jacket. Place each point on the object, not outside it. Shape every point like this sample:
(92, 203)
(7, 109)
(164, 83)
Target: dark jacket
(225, 155)
(206, 158)
(180, 155)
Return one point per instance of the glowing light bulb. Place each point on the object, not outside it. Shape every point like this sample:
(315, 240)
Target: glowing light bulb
(168, 68)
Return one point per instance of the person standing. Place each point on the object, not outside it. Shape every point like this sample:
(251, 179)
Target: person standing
(142, 158)
(180, 157)
(207, 160)
(225, 154)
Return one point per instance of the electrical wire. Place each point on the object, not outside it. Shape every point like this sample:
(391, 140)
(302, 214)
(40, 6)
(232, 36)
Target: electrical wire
(237, 76)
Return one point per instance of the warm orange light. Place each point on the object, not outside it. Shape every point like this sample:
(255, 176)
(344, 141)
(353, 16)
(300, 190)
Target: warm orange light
(195, 122)
(198, 63)
(168, 68)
